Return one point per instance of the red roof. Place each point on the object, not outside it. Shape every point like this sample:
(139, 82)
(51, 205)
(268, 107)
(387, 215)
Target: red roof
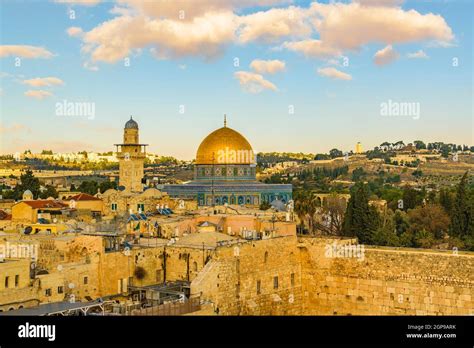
(84, 197)
(4, 215)
(46, 203)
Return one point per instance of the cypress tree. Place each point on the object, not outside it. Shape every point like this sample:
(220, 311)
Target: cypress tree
(360, 220)
(462, 224)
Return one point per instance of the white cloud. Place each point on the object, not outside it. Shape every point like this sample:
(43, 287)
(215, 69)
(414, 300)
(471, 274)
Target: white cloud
(267, 66)
(312, 48)
(418, 54)
(253, 83)
(89, 66)
(38, 94)
(74, 32)
(380, 2)
(189, 9)
(350, 26)
(14, 128)
(79, 2)
(43, 81)
(385, 56)
(334, 74)
(321, 31)
(24, 51)
(203, 36)
(274, 24)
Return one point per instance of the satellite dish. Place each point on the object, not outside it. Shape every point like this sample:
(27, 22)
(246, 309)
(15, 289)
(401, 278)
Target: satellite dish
(121, 188)
(28, 230)
(71, 286)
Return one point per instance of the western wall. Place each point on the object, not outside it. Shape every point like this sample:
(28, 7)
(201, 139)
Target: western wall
(386, 281)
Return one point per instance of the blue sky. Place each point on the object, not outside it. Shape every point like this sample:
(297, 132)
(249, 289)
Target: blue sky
(328, 111)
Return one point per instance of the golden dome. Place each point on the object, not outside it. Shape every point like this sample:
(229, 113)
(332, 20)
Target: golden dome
(225, 146)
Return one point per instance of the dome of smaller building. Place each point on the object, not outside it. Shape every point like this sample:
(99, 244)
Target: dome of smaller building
(131, 124)
(27, 195)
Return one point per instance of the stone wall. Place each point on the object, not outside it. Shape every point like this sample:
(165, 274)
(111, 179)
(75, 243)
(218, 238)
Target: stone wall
(160, 263)
(253, 278)
(387, 281)
(284, 275)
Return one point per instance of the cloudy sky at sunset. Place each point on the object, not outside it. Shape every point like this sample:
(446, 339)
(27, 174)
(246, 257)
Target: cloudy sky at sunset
(299, 76)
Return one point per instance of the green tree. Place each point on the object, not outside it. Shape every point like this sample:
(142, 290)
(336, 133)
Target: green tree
(335, 153)
(386, 233)
(401, 223)
(462, 224)
(417, 173)
(358, 173)
(321, 156)
(105, 185)
(27, 182)
(446, 200)
(49, 192)
(445, 149)
(430, 218)
(419, 144)
(411, 198)
(89, 187)
(360, 220)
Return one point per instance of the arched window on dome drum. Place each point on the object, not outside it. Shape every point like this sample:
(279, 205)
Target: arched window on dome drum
(241, 200)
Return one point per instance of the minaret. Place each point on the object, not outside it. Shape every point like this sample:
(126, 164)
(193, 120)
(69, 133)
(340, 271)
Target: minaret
(131, 155)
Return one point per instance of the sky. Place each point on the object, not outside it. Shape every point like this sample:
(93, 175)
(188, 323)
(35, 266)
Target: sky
(291, 76)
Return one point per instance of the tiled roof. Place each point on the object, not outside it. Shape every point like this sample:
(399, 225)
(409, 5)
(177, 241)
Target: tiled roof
(46, 203)
(4, 215)
(84, 197)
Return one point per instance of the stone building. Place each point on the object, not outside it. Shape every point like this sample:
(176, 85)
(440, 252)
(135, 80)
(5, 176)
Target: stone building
(242, 274)
(131, 155)
(119, 203)
(29, 211)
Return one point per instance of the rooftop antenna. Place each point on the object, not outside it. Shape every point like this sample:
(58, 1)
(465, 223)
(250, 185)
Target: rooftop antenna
(225, 120)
